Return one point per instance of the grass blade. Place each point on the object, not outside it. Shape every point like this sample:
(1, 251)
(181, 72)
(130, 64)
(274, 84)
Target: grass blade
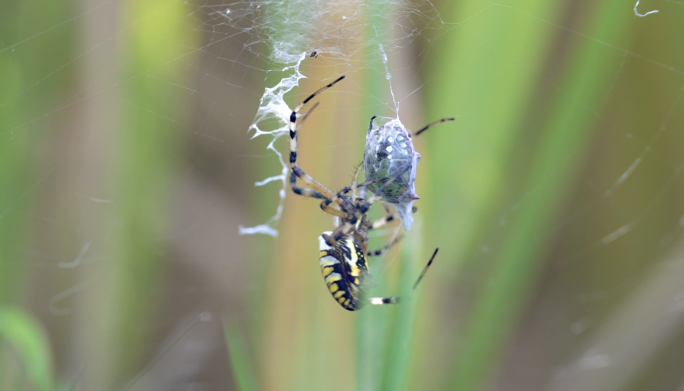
(243, 370)
(26, 337)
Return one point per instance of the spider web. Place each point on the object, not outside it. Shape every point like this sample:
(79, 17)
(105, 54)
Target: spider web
(341, 33)
(69, 91)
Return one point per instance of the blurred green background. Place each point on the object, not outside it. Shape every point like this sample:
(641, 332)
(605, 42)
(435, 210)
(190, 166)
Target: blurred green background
(126, 167)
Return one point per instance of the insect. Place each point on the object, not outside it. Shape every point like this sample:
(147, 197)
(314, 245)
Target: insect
(389, 152)
(343, 251)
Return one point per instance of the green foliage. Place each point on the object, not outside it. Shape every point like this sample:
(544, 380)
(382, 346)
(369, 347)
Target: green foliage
(243, 370)
(148, 145)
(489, 142)
(25, 337)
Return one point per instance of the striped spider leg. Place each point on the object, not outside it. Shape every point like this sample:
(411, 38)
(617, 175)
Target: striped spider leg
(343, 252)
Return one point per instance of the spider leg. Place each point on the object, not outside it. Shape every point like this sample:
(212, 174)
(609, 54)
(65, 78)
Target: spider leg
(298, 172)
(356, 179)
(355, 186)
(428, 126)
(296, 110)
(293, 178)
(293, 134)
(380, 222)
(376, 197)
(394, 300)
(386, 248)
(370, 126)
(336, 197)
(338, 233)
(425, 269)
(305, 116)
(364, 205)
(334, 211)
(302, 191)
(383, 300)
(319, 191)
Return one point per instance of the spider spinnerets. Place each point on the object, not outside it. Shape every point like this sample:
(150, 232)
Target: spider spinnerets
(343, 251)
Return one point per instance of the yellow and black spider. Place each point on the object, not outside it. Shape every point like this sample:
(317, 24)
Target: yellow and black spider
(343, 251)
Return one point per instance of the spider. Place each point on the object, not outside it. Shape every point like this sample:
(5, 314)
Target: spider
(343, 251)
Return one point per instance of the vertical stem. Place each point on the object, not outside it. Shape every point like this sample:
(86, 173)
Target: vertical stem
(562, 144)
(156, 45)
(371, 322)
(399, 359)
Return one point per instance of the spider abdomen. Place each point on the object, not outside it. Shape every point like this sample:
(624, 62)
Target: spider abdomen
(345, 271)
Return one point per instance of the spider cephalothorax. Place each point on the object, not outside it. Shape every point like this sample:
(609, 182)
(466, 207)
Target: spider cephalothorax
(343, 251)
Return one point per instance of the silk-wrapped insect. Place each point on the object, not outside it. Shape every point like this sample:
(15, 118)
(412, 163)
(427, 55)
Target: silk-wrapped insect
(390, 153)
